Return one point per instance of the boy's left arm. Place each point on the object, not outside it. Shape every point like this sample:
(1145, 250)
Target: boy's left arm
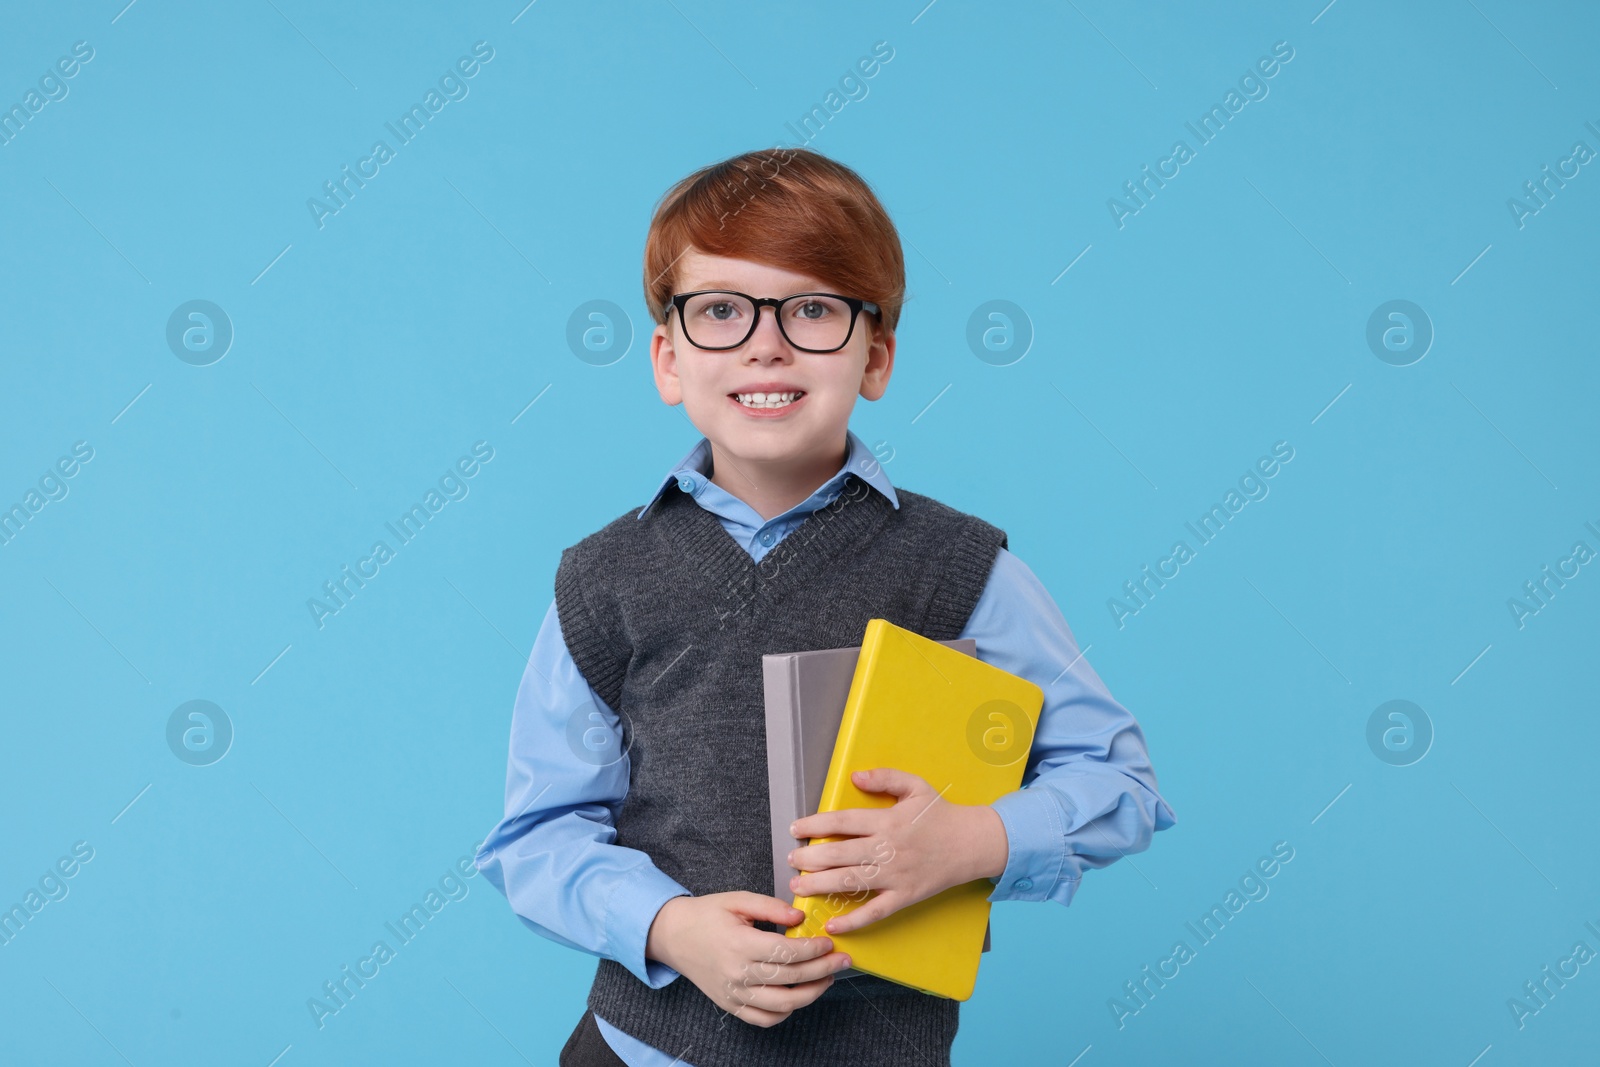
(1089, 792)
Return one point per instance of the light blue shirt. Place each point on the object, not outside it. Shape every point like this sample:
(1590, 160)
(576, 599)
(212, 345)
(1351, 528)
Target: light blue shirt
(1089, 794)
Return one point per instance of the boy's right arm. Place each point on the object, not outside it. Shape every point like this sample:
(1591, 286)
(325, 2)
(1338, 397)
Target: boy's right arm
(552, 854)
(553, 857)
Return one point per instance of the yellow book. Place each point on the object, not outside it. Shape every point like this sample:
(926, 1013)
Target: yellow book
(964, 726)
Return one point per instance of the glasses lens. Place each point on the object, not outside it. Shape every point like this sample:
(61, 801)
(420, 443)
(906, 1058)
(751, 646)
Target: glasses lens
(716, 320)
(821, 322)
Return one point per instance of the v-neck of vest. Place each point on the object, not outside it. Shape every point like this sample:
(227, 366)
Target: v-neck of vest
(855, 513)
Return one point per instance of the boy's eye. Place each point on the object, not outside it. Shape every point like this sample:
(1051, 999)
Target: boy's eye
(721, 310)
(812, 309)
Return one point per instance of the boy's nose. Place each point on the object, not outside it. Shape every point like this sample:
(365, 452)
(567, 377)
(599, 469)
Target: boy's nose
(768, 340)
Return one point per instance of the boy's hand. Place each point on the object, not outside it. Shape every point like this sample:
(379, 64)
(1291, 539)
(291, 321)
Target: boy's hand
(711, 940)
(921, 846)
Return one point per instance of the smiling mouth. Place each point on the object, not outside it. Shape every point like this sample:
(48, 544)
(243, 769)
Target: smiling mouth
(767, 401)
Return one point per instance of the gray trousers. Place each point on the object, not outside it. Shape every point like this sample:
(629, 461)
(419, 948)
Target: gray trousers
(587, 1047)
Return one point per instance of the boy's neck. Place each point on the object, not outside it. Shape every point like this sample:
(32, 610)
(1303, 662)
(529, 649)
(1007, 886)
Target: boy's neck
(772, 488)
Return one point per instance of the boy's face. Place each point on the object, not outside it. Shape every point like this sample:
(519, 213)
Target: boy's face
(812, 427)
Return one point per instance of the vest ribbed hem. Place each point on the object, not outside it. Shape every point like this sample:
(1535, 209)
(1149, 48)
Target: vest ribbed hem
(842, 1028)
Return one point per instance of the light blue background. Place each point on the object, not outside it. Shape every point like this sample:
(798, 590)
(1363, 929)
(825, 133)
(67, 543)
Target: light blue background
(1223, 317)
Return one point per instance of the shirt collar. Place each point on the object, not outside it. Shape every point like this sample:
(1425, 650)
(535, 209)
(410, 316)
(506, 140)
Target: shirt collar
(859, 461)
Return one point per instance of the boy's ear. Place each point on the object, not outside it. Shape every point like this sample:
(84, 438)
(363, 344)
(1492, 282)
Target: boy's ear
(880, 363)
(664, 364)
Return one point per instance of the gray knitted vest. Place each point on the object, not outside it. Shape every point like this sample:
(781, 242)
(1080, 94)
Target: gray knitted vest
(668, 618)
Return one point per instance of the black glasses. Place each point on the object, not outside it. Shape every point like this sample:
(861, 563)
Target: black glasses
(719, 319)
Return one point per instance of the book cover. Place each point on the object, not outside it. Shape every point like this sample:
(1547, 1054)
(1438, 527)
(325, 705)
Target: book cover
(805, 695)
(965, 727)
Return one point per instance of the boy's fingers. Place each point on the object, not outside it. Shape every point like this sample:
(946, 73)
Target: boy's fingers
(845, 880)
(744, 1012)
(791, 969)
(767, 949)
(888, 780)
(870, 912)
(782, 998)
(767, 909)
(832, 854)
(846, 822)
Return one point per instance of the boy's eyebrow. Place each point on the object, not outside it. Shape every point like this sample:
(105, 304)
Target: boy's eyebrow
(731, 287)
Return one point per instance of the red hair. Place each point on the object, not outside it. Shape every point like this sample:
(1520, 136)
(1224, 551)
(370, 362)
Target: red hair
(790, 208)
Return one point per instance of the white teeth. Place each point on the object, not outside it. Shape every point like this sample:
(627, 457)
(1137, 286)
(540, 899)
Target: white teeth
(768, 400)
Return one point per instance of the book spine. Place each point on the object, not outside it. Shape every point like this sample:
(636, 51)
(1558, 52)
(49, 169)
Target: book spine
(780, 688)
(797, 765)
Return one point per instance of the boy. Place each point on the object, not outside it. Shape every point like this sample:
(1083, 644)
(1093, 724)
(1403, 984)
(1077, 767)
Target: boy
(636, 824)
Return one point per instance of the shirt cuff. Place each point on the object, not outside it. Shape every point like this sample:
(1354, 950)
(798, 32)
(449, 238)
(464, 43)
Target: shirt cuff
(632, 908)
(1037, 845)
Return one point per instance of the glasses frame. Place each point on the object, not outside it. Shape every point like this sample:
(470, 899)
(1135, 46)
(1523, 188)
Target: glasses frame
(678, 300)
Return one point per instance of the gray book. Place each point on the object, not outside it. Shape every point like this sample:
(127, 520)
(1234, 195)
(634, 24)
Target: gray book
(805, 694)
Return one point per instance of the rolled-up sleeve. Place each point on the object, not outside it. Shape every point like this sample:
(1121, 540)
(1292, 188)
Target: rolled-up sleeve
(1089, 794)
(553, 854)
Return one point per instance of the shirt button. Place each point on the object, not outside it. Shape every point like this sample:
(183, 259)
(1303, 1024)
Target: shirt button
(766, 537)
(1023, 884)
(686, 483)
